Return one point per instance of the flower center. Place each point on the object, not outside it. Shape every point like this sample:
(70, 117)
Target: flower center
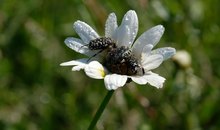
(121, 61)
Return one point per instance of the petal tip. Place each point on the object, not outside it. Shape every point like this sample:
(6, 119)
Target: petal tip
(112, 14)
(65, 64)
(67, 40)
(160, 86)
(161, 28)
(77, 23)
(172, 51)
(61, 64)
(131, 11)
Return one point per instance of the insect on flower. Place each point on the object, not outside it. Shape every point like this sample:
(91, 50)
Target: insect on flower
(101, 44)
(119, 60)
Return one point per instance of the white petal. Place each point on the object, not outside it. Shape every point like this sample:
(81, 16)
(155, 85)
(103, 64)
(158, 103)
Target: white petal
(152, 36)
(75, 62)
(114, 81)
(155, 80)
(111, 25)
(122, 36)
(139, 79)
(78, 67)
(85, 32)
(95, 70)
(151, 78)
(78, 46)
(78, 64)
(128, 29)
(166, 52)
(146, 50)
(151, 62)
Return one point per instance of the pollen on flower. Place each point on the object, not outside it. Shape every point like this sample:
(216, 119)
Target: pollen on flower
(95, 70)
(102, 72)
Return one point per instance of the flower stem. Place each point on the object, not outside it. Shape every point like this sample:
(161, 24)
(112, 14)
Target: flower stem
(101, 109)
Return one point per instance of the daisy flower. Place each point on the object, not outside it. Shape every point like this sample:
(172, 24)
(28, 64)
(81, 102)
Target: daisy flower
(123, 36)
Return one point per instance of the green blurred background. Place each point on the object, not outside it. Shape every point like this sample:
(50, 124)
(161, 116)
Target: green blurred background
(37, 94)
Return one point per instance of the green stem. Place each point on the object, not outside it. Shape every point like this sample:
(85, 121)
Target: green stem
(101, 109)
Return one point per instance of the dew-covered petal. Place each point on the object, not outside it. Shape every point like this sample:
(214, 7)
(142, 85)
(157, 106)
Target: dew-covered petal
(122, 36)
(95, 70)
(78, 64)
(127, 31)
(151, 36)
(85, 32)
(166, 52)
(155, 80)
(114, 81)
(78, 46)
(146, 50)
(151, 62)
(111, 25)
